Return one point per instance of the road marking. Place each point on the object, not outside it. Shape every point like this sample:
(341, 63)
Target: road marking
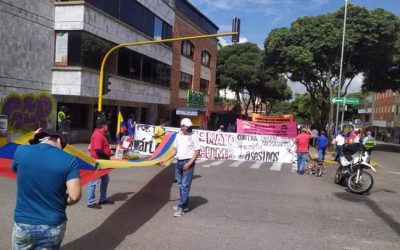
(256, 165)
(277, 166)
(393, 172)
(213, 164)
(235, 164)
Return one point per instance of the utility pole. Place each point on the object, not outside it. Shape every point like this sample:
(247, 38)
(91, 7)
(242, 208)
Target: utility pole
(341, 64)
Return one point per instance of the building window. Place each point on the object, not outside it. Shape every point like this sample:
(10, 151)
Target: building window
(110, 7)
(205, 58)
(132, 13)
(87, 50)
(204, 85)
(158, 28)
(129, 64)
(186, 81)
(187, 49)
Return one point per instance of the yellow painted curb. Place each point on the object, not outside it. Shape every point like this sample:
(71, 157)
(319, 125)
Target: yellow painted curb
(373, 163)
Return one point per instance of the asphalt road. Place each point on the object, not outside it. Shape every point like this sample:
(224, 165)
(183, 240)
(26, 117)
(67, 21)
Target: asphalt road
(234, 205)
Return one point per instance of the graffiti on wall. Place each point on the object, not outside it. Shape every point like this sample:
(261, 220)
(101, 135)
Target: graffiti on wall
(27, 112)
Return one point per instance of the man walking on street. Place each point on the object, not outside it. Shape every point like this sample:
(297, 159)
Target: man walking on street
(47, 181)
(99, 148)
(186, 150)
(322, 144)
(302, 148)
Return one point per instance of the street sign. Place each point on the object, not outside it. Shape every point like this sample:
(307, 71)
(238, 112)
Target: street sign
(346, 100)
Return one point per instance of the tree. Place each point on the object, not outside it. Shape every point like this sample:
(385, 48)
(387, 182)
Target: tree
(301, 107)
(240, 69)
(309, 53)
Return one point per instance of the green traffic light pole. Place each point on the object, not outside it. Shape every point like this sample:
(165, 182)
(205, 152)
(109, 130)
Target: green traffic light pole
(103, 63)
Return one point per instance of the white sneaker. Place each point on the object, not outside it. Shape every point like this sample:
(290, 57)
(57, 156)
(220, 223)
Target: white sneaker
(179, 212)
(184, 210)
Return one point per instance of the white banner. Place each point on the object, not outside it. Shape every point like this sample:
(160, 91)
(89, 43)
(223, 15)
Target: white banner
(227, 146)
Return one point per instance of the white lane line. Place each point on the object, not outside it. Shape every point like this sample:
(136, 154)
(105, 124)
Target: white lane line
(235, 164)
(277, 166)
(216, 163)
(393, 172)
(256, 165)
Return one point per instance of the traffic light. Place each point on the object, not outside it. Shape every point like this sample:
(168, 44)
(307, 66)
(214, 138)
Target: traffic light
(236, 28)
(106, 83)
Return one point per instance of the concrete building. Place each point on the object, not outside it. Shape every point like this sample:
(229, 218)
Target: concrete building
(57, 47)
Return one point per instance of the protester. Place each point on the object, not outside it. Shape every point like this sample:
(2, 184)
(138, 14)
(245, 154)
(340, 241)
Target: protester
(230, 128)
(369, 143)
(99, 148)
(131, 126)
(64, 123)
(322, 144)
(314, 133)
(302, 148)
(159, 132)
(339, 141)
(221, 128)
(47, 181)
(186, 150)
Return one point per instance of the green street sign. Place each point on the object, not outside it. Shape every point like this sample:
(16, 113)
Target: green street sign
(346, 100)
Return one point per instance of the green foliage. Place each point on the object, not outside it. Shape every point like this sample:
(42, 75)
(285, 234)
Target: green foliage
(309, 53)
(301, 108)
(240, 69)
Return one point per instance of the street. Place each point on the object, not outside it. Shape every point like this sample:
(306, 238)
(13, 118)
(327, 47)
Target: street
(234, 205)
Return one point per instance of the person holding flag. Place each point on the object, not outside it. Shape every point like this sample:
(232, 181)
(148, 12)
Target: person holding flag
(121, 127)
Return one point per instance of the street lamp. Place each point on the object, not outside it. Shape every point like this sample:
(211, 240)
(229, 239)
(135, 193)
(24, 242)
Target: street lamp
(341, 63)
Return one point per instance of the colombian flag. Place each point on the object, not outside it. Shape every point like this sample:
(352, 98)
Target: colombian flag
(121, 125)
(90, 169)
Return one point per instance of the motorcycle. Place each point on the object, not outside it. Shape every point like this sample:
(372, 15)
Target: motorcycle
(353, 170)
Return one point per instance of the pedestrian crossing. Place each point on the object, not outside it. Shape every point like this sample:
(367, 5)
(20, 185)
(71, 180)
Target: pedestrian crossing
(253, 165)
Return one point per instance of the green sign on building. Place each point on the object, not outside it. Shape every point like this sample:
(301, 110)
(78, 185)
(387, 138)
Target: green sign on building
(195, 99)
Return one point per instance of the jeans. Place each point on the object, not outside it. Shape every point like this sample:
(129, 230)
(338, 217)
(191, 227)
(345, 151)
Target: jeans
(321, 154)
(339, 152)
(25, 236)
(103, 189)
(184, 180)
(301, 161)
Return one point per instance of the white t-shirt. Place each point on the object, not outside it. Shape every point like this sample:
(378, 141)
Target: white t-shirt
(339, 140)
(186, 145)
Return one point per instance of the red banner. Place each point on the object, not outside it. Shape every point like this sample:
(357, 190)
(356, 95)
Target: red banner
(286, 129)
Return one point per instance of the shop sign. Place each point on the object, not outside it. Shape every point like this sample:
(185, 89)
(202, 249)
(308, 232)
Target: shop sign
(195, 99)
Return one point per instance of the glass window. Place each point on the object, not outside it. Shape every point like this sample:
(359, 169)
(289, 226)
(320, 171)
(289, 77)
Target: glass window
(147, 69)
(93, 50)
(74, 48)
(110, 7)
(186, 81)
(204, 85)
(187, 49)
(148, 22)
(124, 58)
(158, 28)
(132, 13)
(205, 58)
